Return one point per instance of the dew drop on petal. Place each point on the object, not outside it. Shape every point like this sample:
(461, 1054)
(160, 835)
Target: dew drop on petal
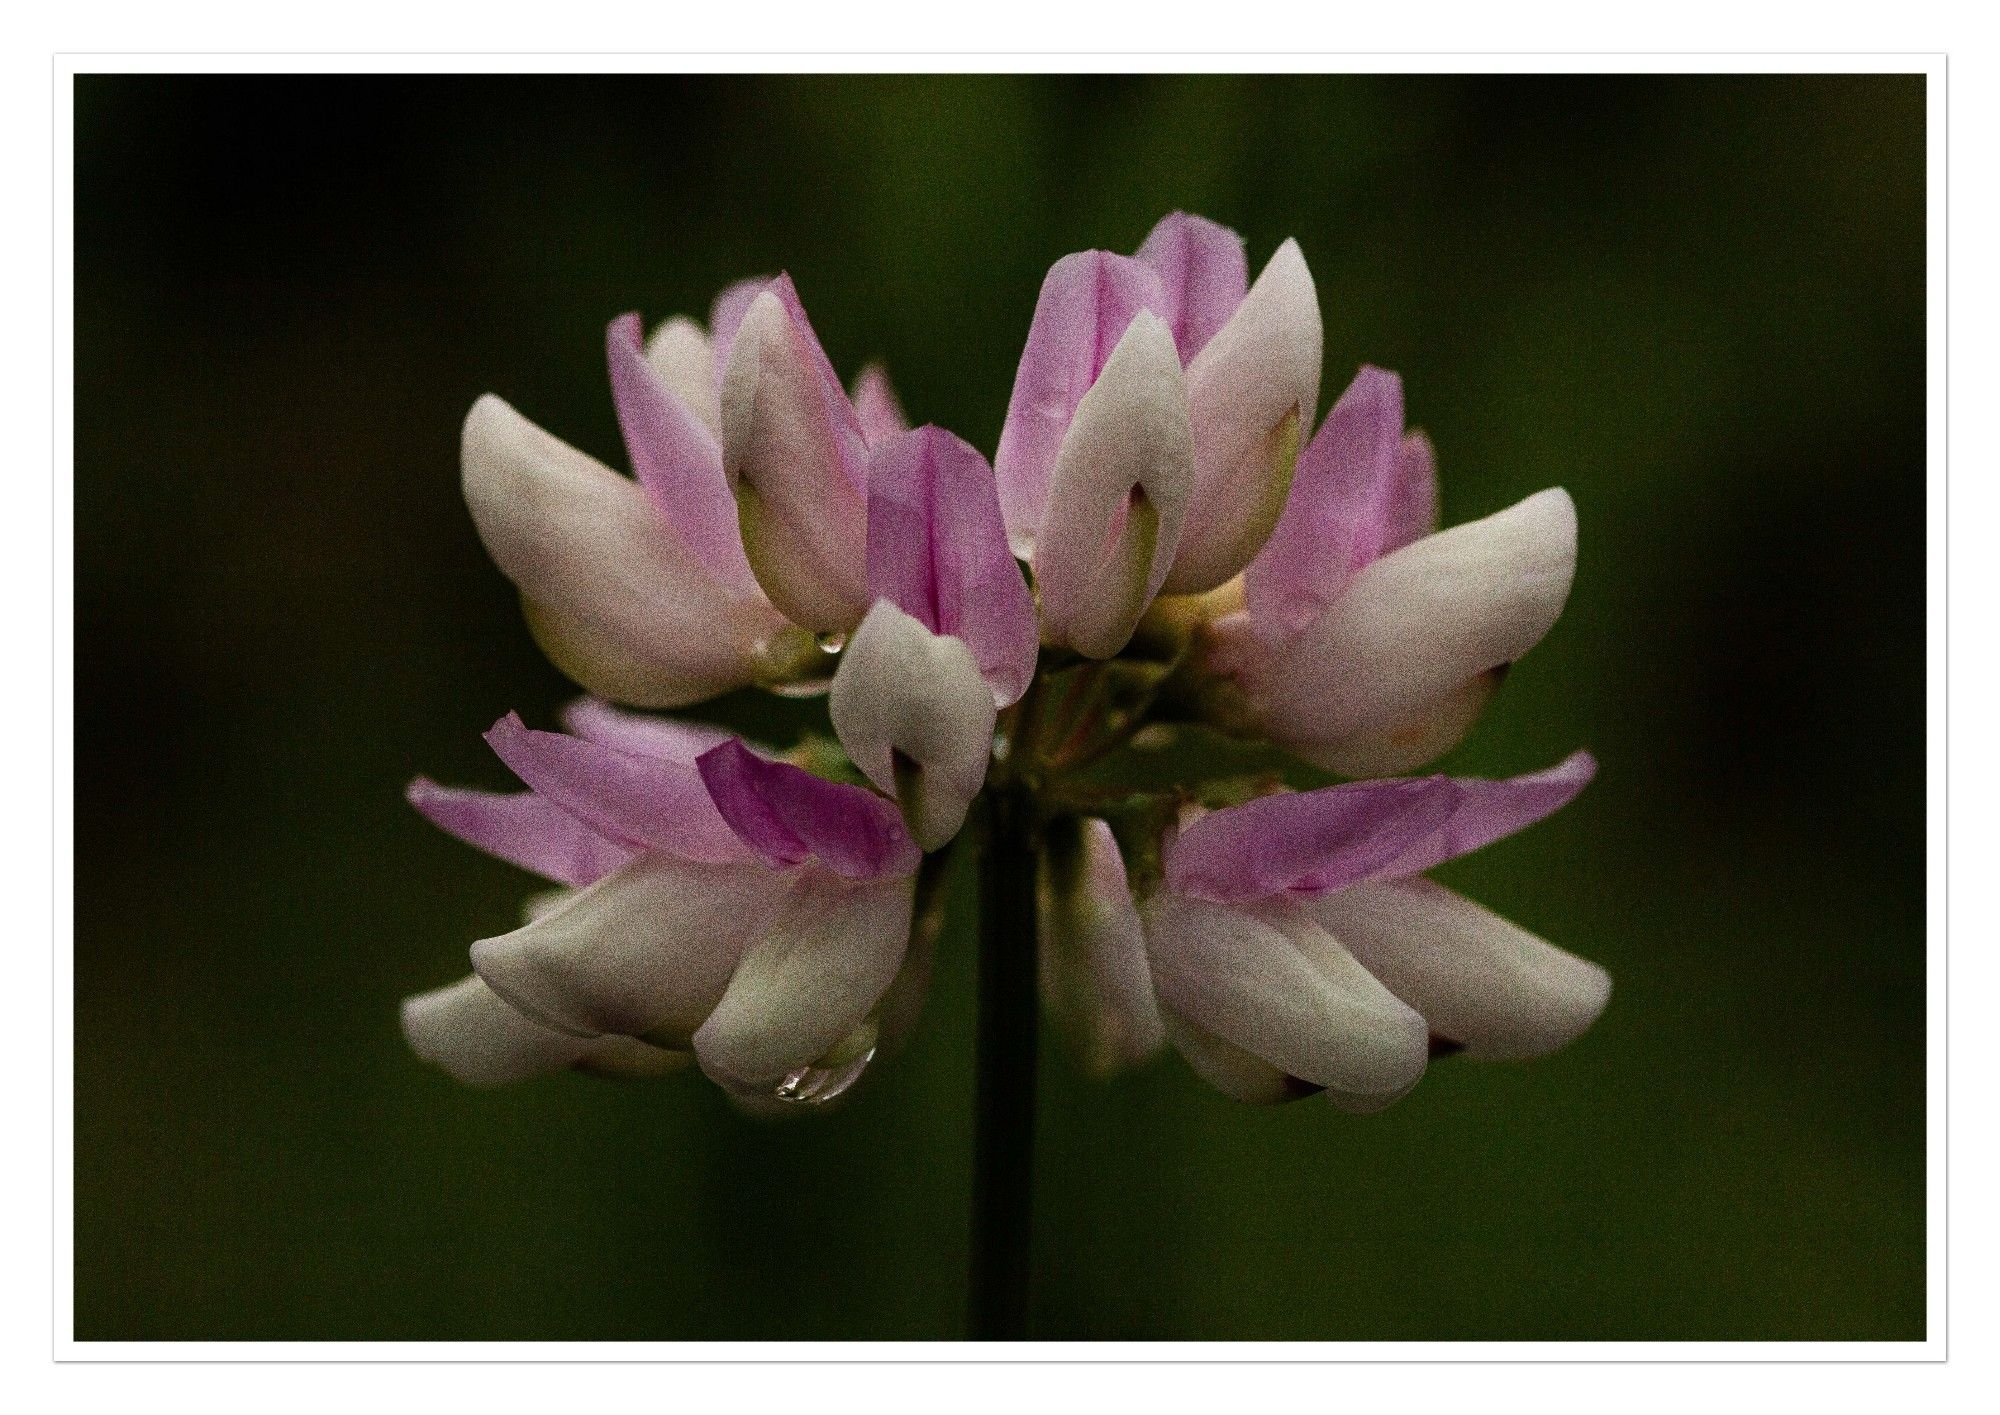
(1002, 745)
(831, 643)
(816, 1085)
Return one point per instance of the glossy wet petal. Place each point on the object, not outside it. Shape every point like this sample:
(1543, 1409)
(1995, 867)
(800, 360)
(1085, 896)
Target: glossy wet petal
(813, 976)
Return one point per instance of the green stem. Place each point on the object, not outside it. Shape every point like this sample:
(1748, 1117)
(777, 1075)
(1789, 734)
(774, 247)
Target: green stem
(1004, 1134)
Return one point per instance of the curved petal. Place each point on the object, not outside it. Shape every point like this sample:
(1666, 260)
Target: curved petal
(1238, 1074)
(646, 803)
(1273, 983)
(522, 829)
(1202, 269)
(1422, 737)
(1484, 983)
(1118, 496)
(1413, 509)
(645, 952)
(788, 816)
(917, 719)
(794, 455)
(1342, 512)
(642, 734)
(725, 318)
(814, 975)
(938, 550)
(676, 458)
(876, 406)
(1412, 627)
(1484, 811)
(1087, 303)
(1252, 394)
(685, 361)
(612, 597)
(1337, 833)
(1094, 978)
(477, 1039)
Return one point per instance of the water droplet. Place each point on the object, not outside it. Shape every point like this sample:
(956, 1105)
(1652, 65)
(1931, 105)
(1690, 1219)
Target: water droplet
(831, 643)
(1002, 745)
(816, 1085)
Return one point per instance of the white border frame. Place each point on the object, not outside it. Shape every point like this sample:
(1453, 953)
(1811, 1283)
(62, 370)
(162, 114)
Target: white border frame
(1932, 1348)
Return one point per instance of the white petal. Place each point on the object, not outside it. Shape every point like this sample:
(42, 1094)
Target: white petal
(1252, 393)
(1414, 626)
(611, 596)
(1236, 1073)
(1117, 497)
(686, 364)
(1480, 981)
(916, 716)
(1094, 976)
(469, 1032)
(1422, 737)
(1270, 981)
(809, 981)
(645, 952)
(803, 515)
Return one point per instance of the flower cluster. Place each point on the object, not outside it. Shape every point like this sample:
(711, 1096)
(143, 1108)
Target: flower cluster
(1162, 540)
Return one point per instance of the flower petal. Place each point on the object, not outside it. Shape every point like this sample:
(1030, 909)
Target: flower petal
(1118, 496)
(612, 596)
(685, 361)
(642, 734)
(521, 828)
(645, 952)
(1094, 978)
(1273, 983)
(876, 406)
(938, 550)
(1413, 510)
(677, 458)
(1337, 833)
(1422, 737)
(1202, 269)
(1411, 628)
(1480, 981)
(1087, 302)
(480, 1041)
(1252, 394)
(1341, 515)
(646, 803)
(794, 455)
(813, 976)
(788, 815)
(725, 318)
(1484, 811)
(916, 717)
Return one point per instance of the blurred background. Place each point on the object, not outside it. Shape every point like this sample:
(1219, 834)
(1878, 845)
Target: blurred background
(1695, 302)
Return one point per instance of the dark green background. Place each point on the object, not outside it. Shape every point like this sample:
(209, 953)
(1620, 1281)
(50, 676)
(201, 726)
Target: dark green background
(1697, 303)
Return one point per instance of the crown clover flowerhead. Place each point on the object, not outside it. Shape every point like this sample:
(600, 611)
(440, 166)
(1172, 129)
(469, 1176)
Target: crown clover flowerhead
(1163, 538)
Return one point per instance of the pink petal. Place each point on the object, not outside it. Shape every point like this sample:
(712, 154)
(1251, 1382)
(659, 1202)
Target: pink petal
(1202, 268)
(521, 828)
(1087, 301)
(1486, 811)
(1413, 509)
(641, 734)
(644, 803)
(937, 549)
(1332, 836)
(677, 459)
(876, 405)
(1347, 506)
(788, 815)
(725, 317)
